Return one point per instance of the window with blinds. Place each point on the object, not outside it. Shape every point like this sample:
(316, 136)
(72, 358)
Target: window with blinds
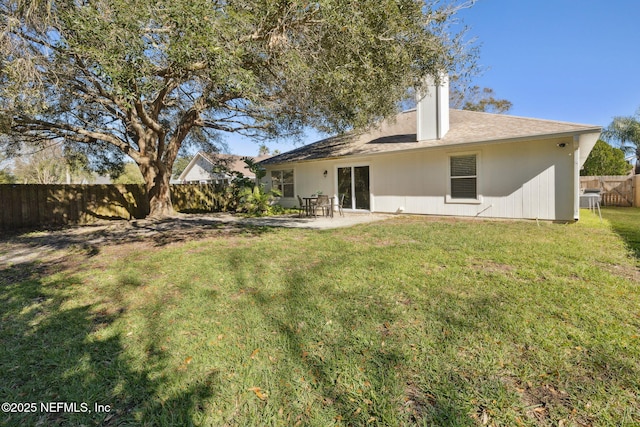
(464, 178)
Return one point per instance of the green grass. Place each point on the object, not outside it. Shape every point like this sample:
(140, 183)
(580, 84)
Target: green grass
(412, 321)
(626, 223)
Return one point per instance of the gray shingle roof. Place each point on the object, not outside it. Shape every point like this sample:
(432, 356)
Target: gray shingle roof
(399, 134)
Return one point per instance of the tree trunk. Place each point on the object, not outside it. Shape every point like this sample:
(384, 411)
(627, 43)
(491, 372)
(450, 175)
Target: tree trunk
(158, 191)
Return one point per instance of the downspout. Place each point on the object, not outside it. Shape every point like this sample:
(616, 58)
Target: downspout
(576, 177)
(438, 97)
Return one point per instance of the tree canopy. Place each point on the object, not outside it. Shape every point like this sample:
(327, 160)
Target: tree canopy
(144, 78)
(605, 160)
(130, 175)
(6, 177)
(625, 131)
(51, 166)
(474, 98)
(180, 165)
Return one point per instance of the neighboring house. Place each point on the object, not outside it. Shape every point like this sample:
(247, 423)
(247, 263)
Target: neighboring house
(207, 168)
(437, 161)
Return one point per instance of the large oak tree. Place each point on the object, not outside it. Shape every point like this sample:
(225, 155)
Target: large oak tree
(142, 78)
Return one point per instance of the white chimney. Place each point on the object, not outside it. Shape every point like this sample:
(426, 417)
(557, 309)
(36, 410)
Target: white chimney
(433, 110)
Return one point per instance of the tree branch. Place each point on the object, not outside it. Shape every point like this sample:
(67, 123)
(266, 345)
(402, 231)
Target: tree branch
(75, 133)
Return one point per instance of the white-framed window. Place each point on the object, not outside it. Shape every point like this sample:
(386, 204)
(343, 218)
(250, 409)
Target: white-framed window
(463, 178)
(282, 180)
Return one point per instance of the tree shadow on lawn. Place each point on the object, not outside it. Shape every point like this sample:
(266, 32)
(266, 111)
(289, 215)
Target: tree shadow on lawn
(626, 223)
(54, 352)
(352, 377)
(57, 351)
(358, 380)
(22, 245)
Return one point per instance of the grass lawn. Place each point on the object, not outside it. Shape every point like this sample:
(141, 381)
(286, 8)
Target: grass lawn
(414, 320)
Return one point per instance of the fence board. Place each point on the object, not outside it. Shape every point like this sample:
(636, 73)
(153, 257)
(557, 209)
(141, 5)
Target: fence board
(16, 200)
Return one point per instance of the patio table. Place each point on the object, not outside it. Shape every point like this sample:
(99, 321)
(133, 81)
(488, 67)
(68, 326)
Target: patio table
(311, 204)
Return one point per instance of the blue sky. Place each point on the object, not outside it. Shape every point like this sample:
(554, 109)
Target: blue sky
(568, 60)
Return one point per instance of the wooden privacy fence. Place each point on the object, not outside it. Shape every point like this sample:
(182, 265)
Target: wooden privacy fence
(615, 190)
(33, 204)
(201, 197)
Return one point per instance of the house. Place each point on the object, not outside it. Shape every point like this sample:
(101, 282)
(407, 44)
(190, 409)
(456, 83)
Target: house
(215, 168)
(439, 161)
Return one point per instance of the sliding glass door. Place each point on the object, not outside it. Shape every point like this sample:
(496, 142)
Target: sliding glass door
(353, 182)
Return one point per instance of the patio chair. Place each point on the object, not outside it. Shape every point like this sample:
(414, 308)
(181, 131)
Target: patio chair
(324, 203)
(302, 208)
(340, 202)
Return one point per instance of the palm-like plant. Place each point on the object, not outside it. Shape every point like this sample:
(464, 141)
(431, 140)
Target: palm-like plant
(625, 130)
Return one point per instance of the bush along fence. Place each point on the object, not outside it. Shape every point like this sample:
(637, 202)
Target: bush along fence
(36, 205)
(615, 190)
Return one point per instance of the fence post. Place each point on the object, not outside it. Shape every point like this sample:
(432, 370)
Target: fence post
(636, 191)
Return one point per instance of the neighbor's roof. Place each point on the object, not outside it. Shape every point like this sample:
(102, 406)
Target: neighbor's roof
(231, 162)
(399, 134)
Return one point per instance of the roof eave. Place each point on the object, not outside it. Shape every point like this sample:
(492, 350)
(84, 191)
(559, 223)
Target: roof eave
(535, 137)
(451, 145)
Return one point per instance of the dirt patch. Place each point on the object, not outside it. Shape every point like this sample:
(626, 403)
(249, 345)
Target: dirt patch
(359, 240)
(539, 401)
(541, 398)
(418, 403)
(490, 266)
(633, 274)
(243, 292)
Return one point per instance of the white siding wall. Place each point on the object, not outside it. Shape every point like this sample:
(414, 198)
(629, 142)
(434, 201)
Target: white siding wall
(532, 179)
(201, 170)
(308, 179)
